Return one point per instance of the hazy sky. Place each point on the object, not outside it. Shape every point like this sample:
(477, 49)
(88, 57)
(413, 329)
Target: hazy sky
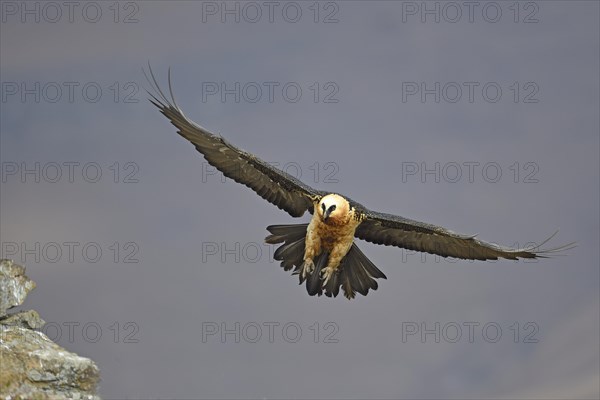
(480, 117)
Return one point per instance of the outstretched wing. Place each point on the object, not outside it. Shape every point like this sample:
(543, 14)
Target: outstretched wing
(392, 230)
(270, 183)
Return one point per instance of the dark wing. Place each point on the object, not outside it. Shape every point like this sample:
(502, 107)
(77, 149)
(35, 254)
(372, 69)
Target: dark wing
(392, 230)
(270, 183)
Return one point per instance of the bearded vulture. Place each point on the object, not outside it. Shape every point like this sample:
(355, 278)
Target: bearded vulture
(323, 252)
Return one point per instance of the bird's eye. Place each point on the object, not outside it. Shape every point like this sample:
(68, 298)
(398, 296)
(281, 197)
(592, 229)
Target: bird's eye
(323, 206)
(332, 208)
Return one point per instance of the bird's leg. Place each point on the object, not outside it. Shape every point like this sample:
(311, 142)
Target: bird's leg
(327, 273)
(330, 269)
(338, 252)
(312, 249)
(307, 268)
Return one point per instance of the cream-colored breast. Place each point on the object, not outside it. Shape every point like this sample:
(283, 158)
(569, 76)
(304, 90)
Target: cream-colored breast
(331, 235)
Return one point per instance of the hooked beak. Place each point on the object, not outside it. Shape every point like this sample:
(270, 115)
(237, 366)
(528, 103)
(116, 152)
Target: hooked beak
(326, 214)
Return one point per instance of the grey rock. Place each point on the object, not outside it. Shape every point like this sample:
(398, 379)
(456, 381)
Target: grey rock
(14, 284)
(33, 366)
(25, 319)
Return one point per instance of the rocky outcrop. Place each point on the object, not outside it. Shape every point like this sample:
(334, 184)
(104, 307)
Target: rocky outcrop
(15, 285)
(31, 365)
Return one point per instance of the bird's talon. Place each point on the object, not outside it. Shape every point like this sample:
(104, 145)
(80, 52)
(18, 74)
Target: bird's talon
(307, 268)
(326, 274)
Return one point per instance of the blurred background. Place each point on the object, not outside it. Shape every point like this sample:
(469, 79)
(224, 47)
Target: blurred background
(480, 117)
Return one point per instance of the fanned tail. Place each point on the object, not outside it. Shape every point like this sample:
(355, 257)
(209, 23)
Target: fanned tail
(356, 272)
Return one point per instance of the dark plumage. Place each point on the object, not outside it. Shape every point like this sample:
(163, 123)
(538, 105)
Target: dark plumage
(353, 271)
(356, 273)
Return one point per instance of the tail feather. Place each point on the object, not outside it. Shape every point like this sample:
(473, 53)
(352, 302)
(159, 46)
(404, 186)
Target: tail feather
(355, 267)
(356, 272)
(369, 267)
(347, 286)
(313, 281)
(280, 233)
(291, 252)
(333, 286)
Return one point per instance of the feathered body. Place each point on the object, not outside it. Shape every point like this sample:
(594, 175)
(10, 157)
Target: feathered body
(323, 252)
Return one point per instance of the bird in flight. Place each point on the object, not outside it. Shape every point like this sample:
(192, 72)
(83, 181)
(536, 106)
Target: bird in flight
(323, 252)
